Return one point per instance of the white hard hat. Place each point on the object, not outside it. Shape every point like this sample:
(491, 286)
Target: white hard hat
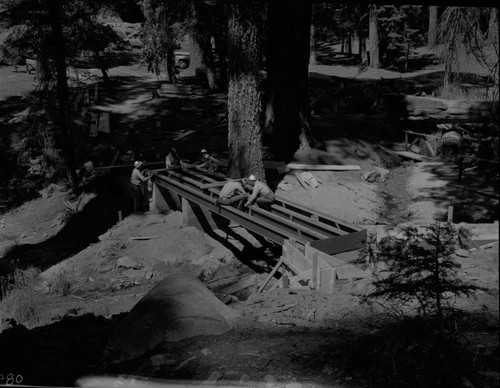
(203, 151)
(252, 177)
(137, 164)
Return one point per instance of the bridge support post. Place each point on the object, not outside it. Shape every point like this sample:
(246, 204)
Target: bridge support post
(160, 204)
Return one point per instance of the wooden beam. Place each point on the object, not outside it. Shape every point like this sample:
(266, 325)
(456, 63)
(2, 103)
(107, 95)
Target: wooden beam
(270, 276)
(324, 260)
(301, 180)
(411, 155)
(143, 237)
(294, 259)
(429, 147)
(218, 184)
(326, 280)
(352, 272)
(246, 282)
(315, 267)
(339, 244)
(450, 214)
(323, 167)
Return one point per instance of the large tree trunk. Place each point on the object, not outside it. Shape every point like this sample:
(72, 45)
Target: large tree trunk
(433, 20)
(373, 38)
(64, 122)
(244, 106)
(288, 106)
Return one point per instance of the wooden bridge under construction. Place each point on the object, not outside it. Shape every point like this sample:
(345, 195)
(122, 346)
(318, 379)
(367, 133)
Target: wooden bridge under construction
(317, 247)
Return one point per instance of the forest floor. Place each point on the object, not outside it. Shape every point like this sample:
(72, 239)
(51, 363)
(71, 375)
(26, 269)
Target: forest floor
(289, 337)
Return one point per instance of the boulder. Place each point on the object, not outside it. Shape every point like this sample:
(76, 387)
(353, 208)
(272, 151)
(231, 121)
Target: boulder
(371, 176)
(384, 173)
(178, 307)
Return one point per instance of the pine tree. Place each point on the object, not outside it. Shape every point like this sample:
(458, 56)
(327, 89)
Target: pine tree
(418, 266)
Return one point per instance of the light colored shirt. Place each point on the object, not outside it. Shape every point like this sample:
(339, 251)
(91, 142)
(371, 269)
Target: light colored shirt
(230, 189)
(209, 162)
(259, 188)
(137, 178)
(172, 160)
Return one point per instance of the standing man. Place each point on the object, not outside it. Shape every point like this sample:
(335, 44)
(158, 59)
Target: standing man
(231, 193)
(262, 195)
(136, 181)
(208, 162)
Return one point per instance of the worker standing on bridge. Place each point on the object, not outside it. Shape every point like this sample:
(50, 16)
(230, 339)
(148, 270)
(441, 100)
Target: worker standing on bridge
(232, 193)
(262, 195)
(208, 162)
(136, 180)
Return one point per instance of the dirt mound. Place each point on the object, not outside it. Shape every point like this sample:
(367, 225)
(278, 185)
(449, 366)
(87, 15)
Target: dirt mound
(139, 250)
(178, 307)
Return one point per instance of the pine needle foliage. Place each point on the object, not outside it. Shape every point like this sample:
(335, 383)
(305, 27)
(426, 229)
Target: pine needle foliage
(417, 268)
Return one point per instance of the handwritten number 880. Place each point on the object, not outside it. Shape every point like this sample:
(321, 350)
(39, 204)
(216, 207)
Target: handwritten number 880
(11, 379)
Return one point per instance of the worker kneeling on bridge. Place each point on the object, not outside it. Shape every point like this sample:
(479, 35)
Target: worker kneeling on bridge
(262, 195)
(232, 193)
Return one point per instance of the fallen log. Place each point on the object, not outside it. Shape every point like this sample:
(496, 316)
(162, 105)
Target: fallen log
(415, 108)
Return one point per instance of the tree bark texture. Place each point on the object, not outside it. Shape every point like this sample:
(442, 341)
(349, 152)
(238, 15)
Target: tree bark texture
(373, 38)
(244, 106)
(312, 47)
(207, 60)
(433, 19)
(287, 103)
(203, 37)
(493, 26)
(221, 49)
(64, 123)
(362, 48)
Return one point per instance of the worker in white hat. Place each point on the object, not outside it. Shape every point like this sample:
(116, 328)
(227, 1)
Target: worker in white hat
(136, 181)
(232, 193)
(262, 195)
(208, 162)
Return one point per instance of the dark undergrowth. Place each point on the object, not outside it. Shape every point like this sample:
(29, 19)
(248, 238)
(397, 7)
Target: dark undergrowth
(419, 352)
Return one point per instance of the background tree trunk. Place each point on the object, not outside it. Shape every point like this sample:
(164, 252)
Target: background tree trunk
(312, 47)
(362, 48)
(221, 49)
(244, 106)
(171, 70)
(64, 122)
(207, 60)
(493, 26)
(373, 39)
(433, 21)
(288, 106)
